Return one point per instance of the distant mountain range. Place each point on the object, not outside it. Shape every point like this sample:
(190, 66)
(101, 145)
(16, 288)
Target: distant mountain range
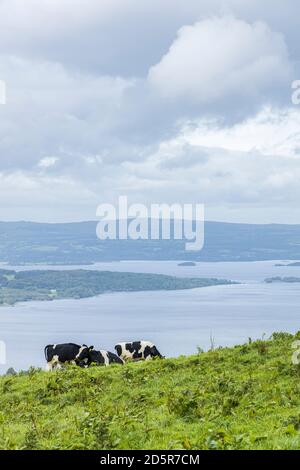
(77, 243)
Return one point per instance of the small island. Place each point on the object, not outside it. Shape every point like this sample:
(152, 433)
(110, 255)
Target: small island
(80, 283)
(290, 280)
(187, 263)
(294, 264)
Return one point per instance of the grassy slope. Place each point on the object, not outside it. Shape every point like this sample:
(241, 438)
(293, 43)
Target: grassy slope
(235, 398)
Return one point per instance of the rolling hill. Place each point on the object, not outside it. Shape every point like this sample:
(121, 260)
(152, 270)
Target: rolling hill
(77, 243)
(246, 397)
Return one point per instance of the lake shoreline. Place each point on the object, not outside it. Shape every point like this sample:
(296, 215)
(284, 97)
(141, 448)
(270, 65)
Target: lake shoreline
(48, 285)
(176, 320)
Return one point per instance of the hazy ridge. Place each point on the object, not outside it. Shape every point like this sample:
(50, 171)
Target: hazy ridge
(77, 243)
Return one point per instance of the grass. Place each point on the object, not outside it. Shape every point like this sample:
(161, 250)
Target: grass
(246, 397)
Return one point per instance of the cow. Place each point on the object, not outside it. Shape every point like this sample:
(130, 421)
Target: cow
(104, 358)
(58, 354)
(137, 350)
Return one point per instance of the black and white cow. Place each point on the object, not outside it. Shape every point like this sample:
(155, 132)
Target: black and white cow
(58, 354)
(103, 358)
(137, 350)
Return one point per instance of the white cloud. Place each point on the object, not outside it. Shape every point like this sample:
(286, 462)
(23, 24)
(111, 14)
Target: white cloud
(271, 132)
(220, 57)
(254, 162)
(48, 162)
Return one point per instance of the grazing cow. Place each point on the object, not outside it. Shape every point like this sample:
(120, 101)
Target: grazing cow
(102, 358)
(58, 354)
(137, 350)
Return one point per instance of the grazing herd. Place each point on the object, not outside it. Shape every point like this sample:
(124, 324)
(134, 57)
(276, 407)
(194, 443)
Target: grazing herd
(69, 353)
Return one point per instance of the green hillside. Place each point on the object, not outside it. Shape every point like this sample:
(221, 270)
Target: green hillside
(246, 397)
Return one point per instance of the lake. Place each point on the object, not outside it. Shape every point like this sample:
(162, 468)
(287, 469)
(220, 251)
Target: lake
(178, 321)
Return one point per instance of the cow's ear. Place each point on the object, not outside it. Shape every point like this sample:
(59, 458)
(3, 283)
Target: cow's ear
(91, 348)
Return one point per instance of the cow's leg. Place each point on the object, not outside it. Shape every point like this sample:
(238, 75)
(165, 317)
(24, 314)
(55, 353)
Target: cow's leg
(55, 363)
(146, 353)
(125, 358)
(49, 366)
(105, 357)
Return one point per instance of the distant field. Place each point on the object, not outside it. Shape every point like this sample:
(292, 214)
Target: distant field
(48, 285)
(246, 397)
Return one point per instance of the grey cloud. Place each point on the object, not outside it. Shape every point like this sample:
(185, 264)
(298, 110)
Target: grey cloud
(185, 157)
(120, 37)
(79, 91)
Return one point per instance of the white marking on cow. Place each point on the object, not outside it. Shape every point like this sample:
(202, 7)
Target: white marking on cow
(54, 363)
(144, 344)
(80, 351)
(105, 357)
(127, 355)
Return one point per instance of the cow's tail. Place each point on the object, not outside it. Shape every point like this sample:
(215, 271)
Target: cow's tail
(46, 352)
(118, 348)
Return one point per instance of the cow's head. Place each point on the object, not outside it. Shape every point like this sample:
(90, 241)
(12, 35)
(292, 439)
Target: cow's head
(155, 352)
(83, 356)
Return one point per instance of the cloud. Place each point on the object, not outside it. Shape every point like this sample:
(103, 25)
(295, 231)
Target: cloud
(250, 164)
(28, 195)
(108, 36)
(116, 37)
(48, 162)
(222, 57)
(254, 162)
(272, 131)
(172, 101)
(50, 110)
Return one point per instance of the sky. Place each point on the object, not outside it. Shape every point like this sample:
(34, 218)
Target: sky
(164, 102)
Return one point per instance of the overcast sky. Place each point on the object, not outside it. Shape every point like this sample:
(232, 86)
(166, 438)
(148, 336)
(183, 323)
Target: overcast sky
(162, 101)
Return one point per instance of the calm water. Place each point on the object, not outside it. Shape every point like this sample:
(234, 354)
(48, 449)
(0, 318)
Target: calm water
(239, 271)
(177, 321)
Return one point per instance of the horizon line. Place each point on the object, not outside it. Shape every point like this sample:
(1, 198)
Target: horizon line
(96, 221)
